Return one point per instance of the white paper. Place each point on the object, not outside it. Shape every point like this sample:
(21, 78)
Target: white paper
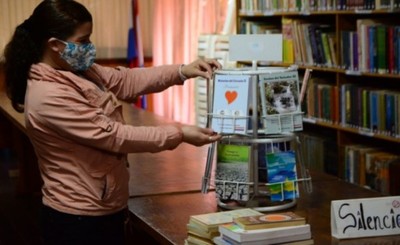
(365, 217)
(257, 47)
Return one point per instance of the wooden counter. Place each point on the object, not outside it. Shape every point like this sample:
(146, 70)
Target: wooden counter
(165, 187)
(179, 170)
(164, 217)
(8, 111)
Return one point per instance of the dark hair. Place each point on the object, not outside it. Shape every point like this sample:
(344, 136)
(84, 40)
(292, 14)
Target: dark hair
(51, 18)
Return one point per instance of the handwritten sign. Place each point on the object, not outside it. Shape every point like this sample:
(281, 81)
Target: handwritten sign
(365, 217)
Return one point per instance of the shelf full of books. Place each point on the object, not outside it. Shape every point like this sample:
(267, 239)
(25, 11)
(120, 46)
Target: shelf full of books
(259, 157)
(269, 7)
(353, 48)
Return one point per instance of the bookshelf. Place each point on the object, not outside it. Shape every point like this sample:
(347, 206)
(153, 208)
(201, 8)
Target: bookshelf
(353, 61)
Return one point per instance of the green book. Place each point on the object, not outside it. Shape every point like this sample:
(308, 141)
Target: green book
(232, 173)
(381, 48)
(365, 108)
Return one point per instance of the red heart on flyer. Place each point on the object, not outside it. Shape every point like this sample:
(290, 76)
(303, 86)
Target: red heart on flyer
(231, 96)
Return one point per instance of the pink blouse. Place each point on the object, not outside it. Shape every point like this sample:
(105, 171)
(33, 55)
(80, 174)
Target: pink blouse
(76, 126)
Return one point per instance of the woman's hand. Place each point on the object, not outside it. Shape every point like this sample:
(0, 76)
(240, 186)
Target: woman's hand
(199, 136)
(201, 67)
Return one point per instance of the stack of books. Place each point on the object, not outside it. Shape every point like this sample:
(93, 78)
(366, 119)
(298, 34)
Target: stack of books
(203, 228)
(276, 228)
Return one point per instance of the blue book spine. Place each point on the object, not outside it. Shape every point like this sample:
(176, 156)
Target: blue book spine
(355, 51)
(372, 48)
(390, 123)
(397, 49)
(374, 110)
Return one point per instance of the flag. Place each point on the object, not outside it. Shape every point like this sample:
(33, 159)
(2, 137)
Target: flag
(135, 54)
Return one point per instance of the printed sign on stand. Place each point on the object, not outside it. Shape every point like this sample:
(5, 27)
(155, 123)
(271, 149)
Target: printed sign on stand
(257, 47)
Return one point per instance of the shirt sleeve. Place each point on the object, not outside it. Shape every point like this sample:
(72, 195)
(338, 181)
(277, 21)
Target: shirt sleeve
(73, 118)
(129, 83)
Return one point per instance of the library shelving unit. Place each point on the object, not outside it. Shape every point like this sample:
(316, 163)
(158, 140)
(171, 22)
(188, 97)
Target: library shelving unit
(242, 176)
(353, 48)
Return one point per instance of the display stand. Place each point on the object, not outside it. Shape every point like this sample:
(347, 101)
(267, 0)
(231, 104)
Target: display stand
(257, 191)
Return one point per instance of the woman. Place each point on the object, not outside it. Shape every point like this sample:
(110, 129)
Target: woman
(75, 123)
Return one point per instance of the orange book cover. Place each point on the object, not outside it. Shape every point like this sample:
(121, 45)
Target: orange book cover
(272, 220)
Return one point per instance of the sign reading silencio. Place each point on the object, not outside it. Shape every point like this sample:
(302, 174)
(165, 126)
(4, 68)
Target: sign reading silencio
(365, 217)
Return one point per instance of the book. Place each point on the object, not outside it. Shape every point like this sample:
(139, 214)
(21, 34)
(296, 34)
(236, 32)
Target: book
(209, 222)
(232, 172)
(332, 48)
(382, 180)
(365, 109)
(272, 220)
(287, 39)
(376, 170)
(361, 163)
(372, 55)
(232, 232)
(192, 239)
(280, 105)
(345, 44)
(373, 99)
(263, 150)
(197, 231)
(306, 78)
(306, 47)
(221, 241)
(351, 162)
(230, 108)
(363, 42)
(381, 51)
(311, 33)
(280, 92)
(390, 112)
(326, 48)
(282, 175)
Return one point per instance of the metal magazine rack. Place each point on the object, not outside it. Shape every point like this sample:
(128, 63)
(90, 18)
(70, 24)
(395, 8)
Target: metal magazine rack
(255, 141)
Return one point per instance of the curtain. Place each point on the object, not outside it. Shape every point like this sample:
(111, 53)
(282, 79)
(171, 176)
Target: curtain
(110, 24)
(12, 13)
(177, 25)
(169, 29)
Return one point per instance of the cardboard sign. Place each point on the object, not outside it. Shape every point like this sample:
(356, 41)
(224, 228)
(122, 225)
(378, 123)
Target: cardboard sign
(366, 217)
(255, 47)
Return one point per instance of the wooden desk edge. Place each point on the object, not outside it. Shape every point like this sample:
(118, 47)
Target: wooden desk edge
(17, 118)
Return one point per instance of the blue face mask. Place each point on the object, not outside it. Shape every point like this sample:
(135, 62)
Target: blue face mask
(79, 56)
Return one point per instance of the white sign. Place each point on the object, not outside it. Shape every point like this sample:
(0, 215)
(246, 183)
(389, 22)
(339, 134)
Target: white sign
(365, 217)
(257, 47)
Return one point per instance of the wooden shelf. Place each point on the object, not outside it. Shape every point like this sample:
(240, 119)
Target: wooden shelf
(338, 79)
(247, 14)
(354, 130)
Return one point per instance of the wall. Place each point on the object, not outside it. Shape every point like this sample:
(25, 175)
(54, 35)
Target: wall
(111, 23)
